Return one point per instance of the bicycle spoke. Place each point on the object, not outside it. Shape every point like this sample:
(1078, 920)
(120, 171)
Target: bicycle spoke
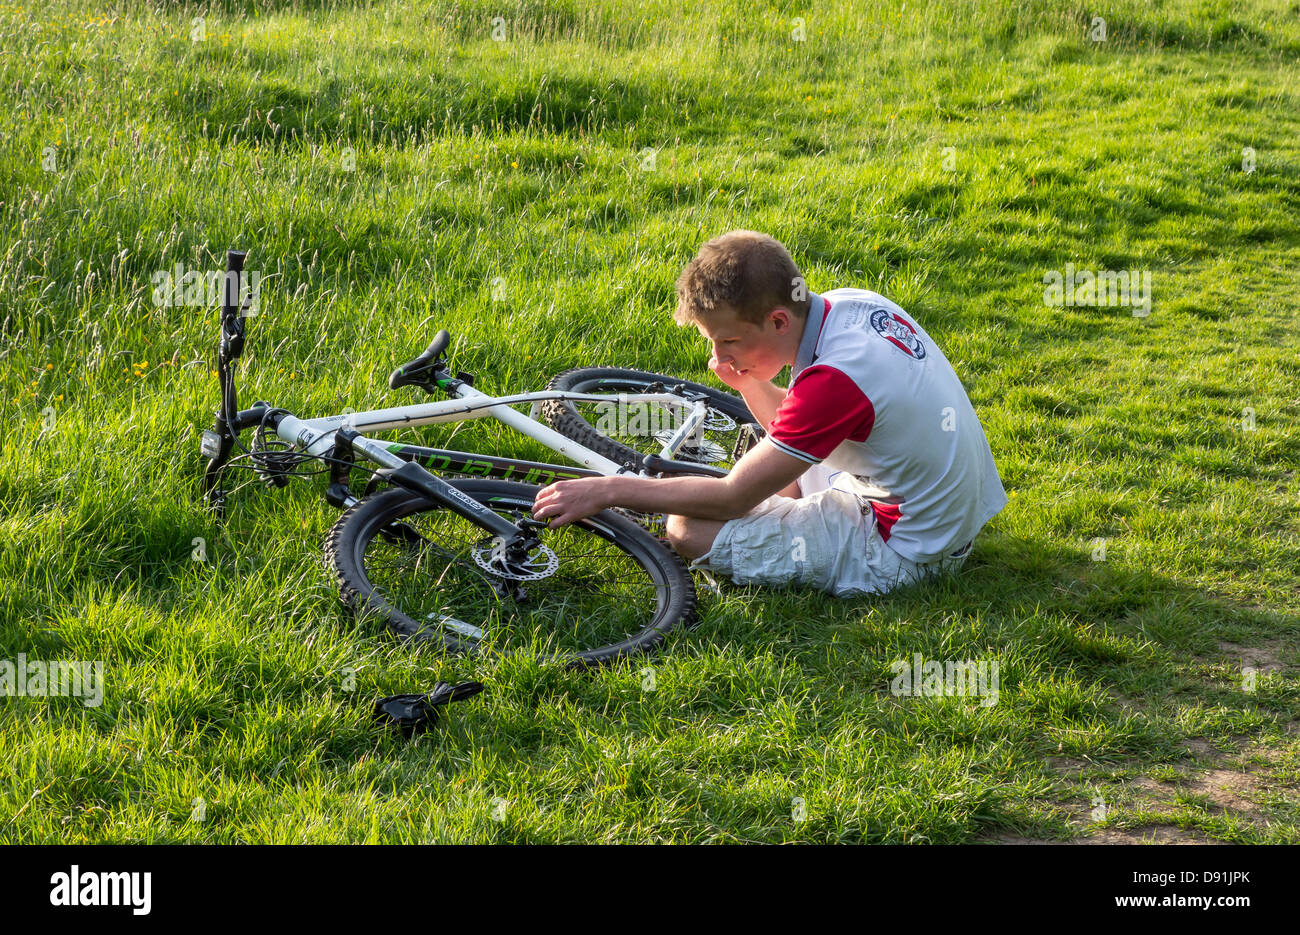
(598, 594)
(711, 445)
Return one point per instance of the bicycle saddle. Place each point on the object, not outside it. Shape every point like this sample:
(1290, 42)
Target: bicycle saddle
(419, 372)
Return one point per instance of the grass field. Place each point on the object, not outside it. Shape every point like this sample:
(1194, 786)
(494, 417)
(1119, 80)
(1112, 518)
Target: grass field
(393, 168)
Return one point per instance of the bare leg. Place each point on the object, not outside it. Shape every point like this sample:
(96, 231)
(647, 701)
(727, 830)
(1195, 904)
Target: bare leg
(691, 538)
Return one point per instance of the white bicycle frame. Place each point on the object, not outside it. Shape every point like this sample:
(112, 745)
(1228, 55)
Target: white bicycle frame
(317, 436)
(329, 437)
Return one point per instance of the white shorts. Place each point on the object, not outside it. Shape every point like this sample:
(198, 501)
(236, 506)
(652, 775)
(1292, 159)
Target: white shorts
(827, 538)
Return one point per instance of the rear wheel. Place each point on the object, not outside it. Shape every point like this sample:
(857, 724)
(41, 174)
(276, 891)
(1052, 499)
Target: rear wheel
(592, 592)
(626, 433)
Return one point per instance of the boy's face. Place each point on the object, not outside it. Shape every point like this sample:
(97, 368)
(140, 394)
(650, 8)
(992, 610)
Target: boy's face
(753, 351)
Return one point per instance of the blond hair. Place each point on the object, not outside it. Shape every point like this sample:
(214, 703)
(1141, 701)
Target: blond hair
(743, 270)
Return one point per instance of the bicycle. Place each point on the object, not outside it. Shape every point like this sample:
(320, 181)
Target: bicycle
(461, 562)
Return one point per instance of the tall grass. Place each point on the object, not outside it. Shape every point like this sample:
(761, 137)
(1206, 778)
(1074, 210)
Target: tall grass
(393, 169)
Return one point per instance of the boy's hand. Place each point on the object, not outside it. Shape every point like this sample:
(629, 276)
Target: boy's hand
(569, 500)
(728, 375)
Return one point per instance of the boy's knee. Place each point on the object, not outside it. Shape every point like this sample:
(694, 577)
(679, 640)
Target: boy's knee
(690, 538)
(677, 530)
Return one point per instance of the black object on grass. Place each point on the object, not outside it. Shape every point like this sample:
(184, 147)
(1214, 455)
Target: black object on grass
(417, 713)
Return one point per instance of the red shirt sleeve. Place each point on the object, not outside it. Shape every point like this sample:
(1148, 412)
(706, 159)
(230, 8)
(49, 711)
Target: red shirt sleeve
(822, 408)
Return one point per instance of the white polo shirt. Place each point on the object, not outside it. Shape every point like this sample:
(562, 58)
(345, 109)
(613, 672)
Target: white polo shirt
(872, 396)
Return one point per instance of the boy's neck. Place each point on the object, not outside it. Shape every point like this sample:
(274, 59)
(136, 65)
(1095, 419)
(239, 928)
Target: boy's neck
(816, 307)
(796, 336)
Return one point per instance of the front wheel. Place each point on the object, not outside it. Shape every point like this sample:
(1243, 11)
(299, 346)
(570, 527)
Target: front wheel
(594, 591)
(627, 432)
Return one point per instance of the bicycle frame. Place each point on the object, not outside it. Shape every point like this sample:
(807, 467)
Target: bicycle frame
(339, 438)
(315, 436)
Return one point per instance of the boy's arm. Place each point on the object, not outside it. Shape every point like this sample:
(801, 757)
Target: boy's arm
(763, 471)
(763, 397)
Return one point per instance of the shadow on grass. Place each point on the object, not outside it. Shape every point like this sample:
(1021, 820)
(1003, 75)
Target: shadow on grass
(1097, 660)
(775, 695)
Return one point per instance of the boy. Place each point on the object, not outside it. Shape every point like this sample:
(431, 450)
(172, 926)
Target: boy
(874, 472)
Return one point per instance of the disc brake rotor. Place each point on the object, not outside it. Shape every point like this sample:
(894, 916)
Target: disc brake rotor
(706, 452)
(715, 420)
(490, 556)
(718, 421)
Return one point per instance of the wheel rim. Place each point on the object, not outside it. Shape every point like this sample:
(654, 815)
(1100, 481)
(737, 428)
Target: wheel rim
(597, 596)
(644, 427)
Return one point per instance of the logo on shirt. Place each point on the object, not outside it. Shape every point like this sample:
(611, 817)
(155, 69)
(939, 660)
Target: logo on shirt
(896, 330)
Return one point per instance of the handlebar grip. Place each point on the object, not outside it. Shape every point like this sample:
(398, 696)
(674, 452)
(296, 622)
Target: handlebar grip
(231, 289)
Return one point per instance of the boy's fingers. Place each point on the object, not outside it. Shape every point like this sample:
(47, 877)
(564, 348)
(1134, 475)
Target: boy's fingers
(547, 508)
(560, 519)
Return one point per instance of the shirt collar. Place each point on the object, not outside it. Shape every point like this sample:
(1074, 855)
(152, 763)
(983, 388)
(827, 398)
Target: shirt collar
(812, 331)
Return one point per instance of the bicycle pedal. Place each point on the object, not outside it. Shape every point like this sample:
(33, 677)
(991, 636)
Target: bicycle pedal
(413, 714)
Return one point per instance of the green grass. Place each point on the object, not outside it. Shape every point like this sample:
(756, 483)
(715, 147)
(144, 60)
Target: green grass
(241, 680)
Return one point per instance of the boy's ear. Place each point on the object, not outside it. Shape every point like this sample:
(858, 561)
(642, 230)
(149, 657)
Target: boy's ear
(780, 318)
